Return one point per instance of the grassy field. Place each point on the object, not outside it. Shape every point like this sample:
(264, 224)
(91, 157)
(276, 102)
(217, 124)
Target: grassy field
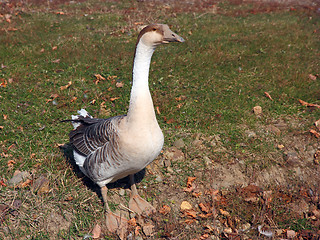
(205, 90)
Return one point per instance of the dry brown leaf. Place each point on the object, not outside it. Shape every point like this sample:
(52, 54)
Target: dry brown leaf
(132, 222)
(56, 60)
(185, 205)
(11, 163)
(312, 77)
(158, 110)
(113, 99)
(112, 77)
(165, 210)
(170, 121)
(25, 183)
(73, 99)
(190, 213)
(224, 213)
(2, 182)
(314, 133)
(96, 231)
(66, 86)
(190, 186)
(204, 208)
(196, 194)
(99, 78)
(119, 84)
(189, 221)
(3, 82)
(268, 96)
(303, 103)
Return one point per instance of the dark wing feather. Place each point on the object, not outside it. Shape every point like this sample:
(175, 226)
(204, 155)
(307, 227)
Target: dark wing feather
(93, 133)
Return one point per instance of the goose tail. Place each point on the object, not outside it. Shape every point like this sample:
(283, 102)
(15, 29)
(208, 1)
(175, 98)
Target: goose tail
(75, 118)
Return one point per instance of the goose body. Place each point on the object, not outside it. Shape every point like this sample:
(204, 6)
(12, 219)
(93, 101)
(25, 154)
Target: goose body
(109, 149)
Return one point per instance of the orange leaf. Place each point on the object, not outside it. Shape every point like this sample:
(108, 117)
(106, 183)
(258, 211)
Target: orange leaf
(11, 163)
(268, 96)
(25, 183)
(303, 103)
(3, 82)
(190, 213)
(170, 121)
(158, 110)
(132, 222)
(315, 133)
(113, 99)
(2, 183)
(119, 84)
(165, 210)
(73, 99)
(204, 208)
(66, 86)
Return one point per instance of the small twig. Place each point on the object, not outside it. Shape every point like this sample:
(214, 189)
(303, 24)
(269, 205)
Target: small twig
(121, 205)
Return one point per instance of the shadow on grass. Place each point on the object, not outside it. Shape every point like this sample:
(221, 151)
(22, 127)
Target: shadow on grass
(67, 150)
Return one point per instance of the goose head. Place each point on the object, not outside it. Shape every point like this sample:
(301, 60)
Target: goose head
(156, 34)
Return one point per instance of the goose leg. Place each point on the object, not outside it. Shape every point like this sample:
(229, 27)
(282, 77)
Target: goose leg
(115, 224)
(137, 203)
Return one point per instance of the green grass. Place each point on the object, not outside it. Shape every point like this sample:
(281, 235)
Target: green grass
(223, 69)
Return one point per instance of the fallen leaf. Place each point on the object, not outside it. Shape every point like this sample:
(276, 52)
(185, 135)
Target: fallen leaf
(73, 99)
(180, 98)
(113, 99)
(96, 232)
(1, 127)
(303, 103)
(315, 133)
(56, 60)
(42, 50)
(99, 78)
(190, 186)
(224, 213)
(170, 121)
(5, 117)
(132, 222)
(3, 82)
(66, 86)
(196, 194)
(25, 183)
(119, 84)
(190, 213)
(179, 105)
(185, 206)
(70, 198)
(2, 182)
(11, 163)
(204, 208)
(158, 110)
(54, 48)
(60, 13)
(312, 77)
(268, 96)
(165, 210)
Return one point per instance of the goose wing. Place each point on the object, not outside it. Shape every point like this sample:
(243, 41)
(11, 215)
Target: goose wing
(93, 133)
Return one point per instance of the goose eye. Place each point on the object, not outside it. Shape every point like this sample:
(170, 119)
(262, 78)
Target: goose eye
(154, 29)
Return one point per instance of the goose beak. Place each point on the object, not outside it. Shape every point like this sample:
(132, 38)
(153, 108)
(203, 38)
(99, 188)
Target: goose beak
(170, 36)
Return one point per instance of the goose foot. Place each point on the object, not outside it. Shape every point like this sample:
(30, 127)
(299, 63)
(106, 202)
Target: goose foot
(116, 224)
(140, 206)
(137, 203)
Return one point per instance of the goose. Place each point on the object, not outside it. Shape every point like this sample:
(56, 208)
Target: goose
(110, 149)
